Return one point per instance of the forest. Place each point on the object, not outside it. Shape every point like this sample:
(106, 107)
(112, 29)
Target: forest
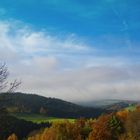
(121, 125)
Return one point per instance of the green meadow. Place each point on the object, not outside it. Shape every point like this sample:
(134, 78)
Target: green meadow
(131, 107)
(37, 118)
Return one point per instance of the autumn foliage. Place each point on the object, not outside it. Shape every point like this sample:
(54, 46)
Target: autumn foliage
(122, 125)
(107, 127)
(65, 131)
(12, 137)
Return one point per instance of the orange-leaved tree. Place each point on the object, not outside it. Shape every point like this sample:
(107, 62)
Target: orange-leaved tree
(12, 137)
(107, 127)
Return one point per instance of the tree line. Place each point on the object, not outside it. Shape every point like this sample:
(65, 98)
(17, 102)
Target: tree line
(122, 125)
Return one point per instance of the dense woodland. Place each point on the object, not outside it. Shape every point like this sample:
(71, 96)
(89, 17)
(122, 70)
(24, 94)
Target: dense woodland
(21, 103)
(10, 124)
(122, 125)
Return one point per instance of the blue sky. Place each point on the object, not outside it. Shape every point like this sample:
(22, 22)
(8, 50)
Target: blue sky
(64, 39)
(85, 18)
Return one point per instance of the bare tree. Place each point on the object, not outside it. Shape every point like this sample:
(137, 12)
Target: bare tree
(4, 84)
(3, 76)
(14, 85)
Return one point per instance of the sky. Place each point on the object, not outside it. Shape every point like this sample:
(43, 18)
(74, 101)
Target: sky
(76, 50)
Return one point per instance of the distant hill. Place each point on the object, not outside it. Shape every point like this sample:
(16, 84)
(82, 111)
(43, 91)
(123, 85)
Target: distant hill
(121, 105)
(110, 105)
(99, 103)
(31, 103)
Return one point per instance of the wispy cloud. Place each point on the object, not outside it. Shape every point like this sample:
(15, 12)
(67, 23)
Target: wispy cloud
(22, 39)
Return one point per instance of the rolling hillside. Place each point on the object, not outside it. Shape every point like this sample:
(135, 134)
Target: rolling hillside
(51, 107)
(111, 105)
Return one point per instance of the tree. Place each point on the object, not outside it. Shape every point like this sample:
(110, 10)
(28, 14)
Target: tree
(107, 127)
(12, 137)
(122, 115)
(101, 129)
(59, 131)
(4, 84)
(3, 76)
(133, 125)
(43, 111)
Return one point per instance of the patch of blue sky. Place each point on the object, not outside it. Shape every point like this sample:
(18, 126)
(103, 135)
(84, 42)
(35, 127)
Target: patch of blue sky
(73, 15)
(108, 25)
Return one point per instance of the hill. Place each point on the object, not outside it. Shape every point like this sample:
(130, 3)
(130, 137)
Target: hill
(111, 105)
(122, 105)
(51, 107)
(99, 103)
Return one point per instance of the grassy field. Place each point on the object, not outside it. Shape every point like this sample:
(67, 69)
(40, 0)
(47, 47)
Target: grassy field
(131, 108)
(37, 118)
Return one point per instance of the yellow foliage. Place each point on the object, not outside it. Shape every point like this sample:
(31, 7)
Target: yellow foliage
(12, 137)
(122, 115)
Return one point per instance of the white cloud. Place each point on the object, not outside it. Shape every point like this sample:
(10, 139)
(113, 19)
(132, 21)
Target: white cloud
(65, 68)
(21, 39)
(88, 84)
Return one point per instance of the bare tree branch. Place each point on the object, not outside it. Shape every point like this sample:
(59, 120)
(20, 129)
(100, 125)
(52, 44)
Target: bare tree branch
(3, 76)
(14, 85)
(4, 80)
